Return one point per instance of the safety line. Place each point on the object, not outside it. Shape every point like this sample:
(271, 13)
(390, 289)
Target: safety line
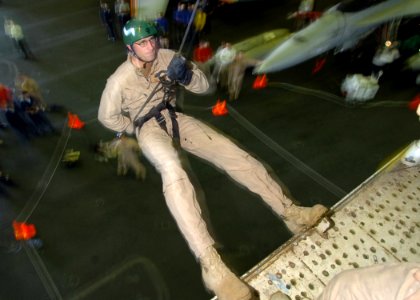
(30, 206)
(42, 271)
(335, 99)
(184, 38)
(306, 91)
(47, 176)
(285, 154)
(110, 275)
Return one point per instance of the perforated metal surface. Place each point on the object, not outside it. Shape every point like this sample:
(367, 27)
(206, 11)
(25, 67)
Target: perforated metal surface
(378, 222)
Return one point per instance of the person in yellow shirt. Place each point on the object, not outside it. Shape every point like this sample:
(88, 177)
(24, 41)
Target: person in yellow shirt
(15, 32)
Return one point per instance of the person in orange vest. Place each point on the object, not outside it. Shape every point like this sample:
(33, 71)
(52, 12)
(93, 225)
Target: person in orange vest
(5, 97)
(203, 52)
(201, 55)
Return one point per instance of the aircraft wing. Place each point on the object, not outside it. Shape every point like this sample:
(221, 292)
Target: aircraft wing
(259, 46)
(335, 29)
(318, 37)
(388, 10)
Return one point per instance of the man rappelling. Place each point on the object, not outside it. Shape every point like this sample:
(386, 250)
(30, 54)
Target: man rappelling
(138, 99)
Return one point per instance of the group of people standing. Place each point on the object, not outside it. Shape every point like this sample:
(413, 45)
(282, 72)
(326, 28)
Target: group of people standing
(226, 68)
(114, 19)
(183, 15)
(22, 108)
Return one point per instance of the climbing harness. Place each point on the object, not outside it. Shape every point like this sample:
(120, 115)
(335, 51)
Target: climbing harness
(168, 87)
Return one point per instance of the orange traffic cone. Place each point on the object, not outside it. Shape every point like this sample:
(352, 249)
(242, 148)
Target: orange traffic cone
(23, 231)
(219, 109)
(319, 64)
(74, 121)
(260, 82)
(414, 103)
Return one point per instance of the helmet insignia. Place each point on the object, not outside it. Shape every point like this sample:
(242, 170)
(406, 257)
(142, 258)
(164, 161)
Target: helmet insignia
(129, 31)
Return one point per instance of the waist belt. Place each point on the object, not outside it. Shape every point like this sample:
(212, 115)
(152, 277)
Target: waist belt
(155, 112)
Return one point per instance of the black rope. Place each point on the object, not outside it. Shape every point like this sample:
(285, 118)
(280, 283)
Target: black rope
(189, 26)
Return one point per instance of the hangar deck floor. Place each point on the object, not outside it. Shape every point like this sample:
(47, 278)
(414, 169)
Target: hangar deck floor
(110, 237)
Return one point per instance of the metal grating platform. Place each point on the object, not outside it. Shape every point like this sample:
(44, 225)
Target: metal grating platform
(378, 222)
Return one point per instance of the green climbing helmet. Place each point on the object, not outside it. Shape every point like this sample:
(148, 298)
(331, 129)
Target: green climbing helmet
(135, 30)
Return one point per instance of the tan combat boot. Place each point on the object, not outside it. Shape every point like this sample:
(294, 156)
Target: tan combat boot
(298, 218)
(219, 279)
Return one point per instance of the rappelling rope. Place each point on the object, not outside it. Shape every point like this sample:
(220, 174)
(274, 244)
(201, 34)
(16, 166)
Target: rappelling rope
(47, 176)
(189, 26)
(333, 98)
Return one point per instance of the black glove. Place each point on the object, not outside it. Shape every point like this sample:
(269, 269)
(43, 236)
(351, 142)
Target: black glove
(179, 71)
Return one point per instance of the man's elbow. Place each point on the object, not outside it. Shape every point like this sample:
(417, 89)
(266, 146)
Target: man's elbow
(199, 85)
(204, 87)
(105, 121)
(101, 118)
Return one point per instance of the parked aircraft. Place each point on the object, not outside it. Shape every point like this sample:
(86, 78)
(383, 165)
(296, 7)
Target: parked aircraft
(341, 27)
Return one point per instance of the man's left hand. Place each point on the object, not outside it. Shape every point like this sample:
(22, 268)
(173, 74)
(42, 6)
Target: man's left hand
(179, 71)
